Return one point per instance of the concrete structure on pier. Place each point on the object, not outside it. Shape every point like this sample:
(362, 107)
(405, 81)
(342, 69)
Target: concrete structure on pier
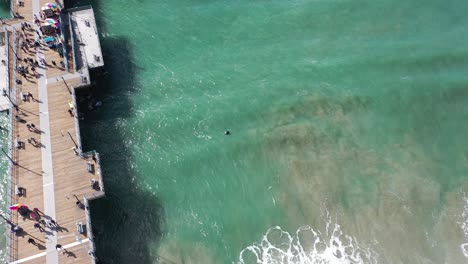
(84, 28)
(48, 169)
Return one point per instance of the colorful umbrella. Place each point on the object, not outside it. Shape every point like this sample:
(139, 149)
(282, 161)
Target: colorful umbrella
(50, 21)
(16, 206)
(51, 5)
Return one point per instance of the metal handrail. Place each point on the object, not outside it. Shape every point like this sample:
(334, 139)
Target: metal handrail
(12, 241)
(89, 230)
(72, 37)
(65, 39)
(98, 170)
(14, 151)
(9, 169)
(77, 122)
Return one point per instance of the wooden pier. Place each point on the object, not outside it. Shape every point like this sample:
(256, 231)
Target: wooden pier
(48, 168)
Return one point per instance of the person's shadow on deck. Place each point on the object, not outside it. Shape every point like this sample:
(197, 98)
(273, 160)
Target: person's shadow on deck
(40, 247)
(70, 254)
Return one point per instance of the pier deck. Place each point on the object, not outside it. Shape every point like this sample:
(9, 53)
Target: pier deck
(54, 174)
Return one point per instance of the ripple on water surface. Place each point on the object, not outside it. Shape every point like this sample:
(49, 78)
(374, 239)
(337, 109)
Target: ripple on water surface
(355, 109)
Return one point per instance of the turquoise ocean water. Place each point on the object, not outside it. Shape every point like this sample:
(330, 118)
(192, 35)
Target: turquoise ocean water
(5, 8)
(347, 120)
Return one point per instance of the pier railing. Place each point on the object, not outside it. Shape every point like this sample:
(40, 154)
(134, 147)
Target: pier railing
(15, 172)
(12, 240)
(15, 52)
(89, 227)
(73, 40)
(64, 23)
(88, 154)
(77, 122)
(92, 247)
(13, 8)
(10, 164)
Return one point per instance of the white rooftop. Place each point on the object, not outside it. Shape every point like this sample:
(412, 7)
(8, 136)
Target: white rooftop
(84, 25)
(4, 103)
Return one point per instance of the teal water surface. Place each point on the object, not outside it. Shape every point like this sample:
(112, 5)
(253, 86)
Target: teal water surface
(347, 121)
(341, 112)
(5, 8)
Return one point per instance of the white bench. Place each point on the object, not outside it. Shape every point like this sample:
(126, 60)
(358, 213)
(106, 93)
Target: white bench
(18, 144)
(80, 227)
(90, 167)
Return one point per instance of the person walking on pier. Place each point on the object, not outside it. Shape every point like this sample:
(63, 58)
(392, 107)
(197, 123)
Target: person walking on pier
(39, 227)
(36, 21)
(15, 229)
(32, 98)
(32, 128)
(36, 210)
(59, 247)
(34, 142)
(32, 241)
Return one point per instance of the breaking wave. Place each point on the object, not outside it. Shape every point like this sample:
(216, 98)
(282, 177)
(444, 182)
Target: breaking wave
(464, 225)
(307, 246)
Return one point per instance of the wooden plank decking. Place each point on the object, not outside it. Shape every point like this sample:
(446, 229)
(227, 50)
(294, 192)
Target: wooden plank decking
(70, 175)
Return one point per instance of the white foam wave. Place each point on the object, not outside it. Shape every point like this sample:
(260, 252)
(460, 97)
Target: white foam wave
(307, 246)
(464, 225)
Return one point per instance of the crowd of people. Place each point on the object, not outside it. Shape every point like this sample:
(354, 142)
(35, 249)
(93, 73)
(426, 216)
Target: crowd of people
(45, 32)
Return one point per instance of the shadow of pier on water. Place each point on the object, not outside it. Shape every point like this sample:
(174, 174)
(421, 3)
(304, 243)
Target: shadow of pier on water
(128, 220)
